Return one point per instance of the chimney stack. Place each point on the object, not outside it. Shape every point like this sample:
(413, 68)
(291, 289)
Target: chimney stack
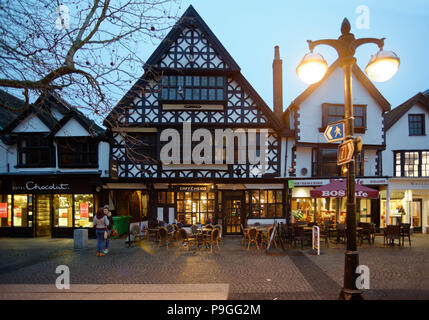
(278, 83)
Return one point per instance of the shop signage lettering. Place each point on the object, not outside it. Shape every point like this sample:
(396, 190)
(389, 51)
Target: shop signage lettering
(3, 210)
(191, 188)
(33, 186)
(342, 193)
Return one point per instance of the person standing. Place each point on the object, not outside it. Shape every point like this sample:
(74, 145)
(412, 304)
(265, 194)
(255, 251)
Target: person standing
(100, 223)
(109, 228)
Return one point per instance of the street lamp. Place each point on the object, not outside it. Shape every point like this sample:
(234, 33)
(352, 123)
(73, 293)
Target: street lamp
(381, 67)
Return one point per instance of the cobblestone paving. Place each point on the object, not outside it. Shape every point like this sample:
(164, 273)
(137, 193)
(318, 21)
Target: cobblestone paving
(399, 272)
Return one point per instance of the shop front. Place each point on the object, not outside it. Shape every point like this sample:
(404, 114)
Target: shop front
(407, 200)
(47, 206)
(318, 200)
(230, 205)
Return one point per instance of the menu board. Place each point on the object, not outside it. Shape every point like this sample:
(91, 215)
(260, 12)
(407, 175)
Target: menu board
(84, 209)
(3, 209)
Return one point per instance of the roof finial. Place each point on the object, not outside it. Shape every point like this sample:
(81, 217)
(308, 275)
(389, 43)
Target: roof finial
(345, 27)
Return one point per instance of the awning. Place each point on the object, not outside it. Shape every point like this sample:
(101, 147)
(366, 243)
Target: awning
(338, 189)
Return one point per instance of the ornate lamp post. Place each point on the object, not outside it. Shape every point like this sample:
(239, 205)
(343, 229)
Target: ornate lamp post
(381, 67)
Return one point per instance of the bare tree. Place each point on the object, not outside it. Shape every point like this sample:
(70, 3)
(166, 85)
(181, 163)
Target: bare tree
(87, 50)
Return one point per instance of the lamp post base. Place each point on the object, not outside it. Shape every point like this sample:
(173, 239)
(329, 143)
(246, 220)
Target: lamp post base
(347, 294)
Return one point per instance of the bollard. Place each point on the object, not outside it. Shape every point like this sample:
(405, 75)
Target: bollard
(80, 237)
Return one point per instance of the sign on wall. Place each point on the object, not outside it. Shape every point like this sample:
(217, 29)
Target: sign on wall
(84, 209)
(3, 210)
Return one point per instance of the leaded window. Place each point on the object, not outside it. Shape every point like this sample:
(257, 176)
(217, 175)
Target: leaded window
(77, 152)
(264, 203)
(416, 124)
(411, 164)
(193, 88)
(35, 150)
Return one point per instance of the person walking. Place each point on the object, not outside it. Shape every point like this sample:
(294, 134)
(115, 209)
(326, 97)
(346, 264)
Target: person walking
(100, 223)
(109, 228)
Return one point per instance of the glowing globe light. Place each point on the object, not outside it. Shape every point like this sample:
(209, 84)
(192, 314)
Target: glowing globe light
(382, 66)
(312, 68)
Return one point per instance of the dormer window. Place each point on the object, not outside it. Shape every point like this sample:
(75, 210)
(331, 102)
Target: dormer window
(335, 112)
(35, 150)
(416, 124)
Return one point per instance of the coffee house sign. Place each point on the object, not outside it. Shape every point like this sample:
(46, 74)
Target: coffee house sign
(31, 186)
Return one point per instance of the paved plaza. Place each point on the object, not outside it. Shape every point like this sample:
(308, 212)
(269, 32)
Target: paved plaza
(232, 273)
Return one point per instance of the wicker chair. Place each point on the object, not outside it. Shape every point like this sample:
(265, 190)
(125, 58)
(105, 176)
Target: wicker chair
(163, 237)
(252, 238)
(188, 240)
(212, 238)
(245, 237)
(266, 236)
(218, 226)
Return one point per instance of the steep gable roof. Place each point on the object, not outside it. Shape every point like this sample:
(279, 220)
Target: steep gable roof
(190, 17)
(395, 114)
(358, 73)
(10, 108)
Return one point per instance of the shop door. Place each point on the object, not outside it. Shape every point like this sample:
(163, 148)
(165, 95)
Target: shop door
(233, 211)
(417, 215)
(43, 215)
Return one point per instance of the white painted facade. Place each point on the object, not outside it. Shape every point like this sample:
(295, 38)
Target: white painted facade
(408, 191)
(309, 123)
(72, 128)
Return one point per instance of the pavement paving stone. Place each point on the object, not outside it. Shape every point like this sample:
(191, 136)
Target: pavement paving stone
(396, 272)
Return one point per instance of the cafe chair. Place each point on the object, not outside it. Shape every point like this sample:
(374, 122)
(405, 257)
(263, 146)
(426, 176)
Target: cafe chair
(324, 234)
(212, 239)
(194, 229)
(299, 235)
(245, 235)
(365, 233)
(218, 226)
(252, 238)
(266, 236)
(406, 232)
(163, 237)
(187, 240)
(341, 232)
(392, 233)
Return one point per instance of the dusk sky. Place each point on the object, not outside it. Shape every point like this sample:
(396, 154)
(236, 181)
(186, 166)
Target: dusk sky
(250, 29)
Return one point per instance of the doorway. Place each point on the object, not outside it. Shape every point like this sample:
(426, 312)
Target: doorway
(417, 215)
(233, 204)
(43, 215)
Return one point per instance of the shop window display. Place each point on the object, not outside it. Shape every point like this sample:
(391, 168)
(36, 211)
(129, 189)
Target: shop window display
(63, 210)
(22, 210)
(195, 207)
(84, 210)
(5, 211)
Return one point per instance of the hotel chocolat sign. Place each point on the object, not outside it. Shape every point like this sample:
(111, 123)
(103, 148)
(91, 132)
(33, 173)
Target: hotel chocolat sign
(31, 186)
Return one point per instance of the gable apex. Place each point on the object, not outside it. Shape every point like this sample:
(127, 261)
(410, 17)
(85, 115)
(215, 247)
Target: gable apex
(203, 42)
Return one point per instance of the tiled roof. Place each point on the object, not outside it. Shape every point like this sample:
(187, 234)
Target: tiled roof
(10, 108)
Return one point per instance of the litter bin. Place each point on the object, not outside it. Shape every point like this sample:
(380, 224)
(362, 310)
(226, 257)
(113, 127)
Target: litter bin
(80, 237)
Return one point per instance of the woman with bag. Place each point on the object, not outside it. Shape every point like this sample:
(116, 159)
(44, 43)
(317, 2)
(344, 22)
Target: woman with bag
(100, 223)
(110, 228)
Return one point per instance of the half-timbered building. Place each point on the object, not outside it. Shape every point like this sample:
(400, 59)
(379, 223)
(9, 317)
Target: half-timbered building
(193, 87)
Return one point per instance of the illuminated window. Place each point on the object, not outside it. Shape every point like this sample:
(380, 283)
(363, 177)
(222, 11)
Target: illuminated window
(83, 210)
(411, 164)
(63, 210)
(22, 210)
(264, 204)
